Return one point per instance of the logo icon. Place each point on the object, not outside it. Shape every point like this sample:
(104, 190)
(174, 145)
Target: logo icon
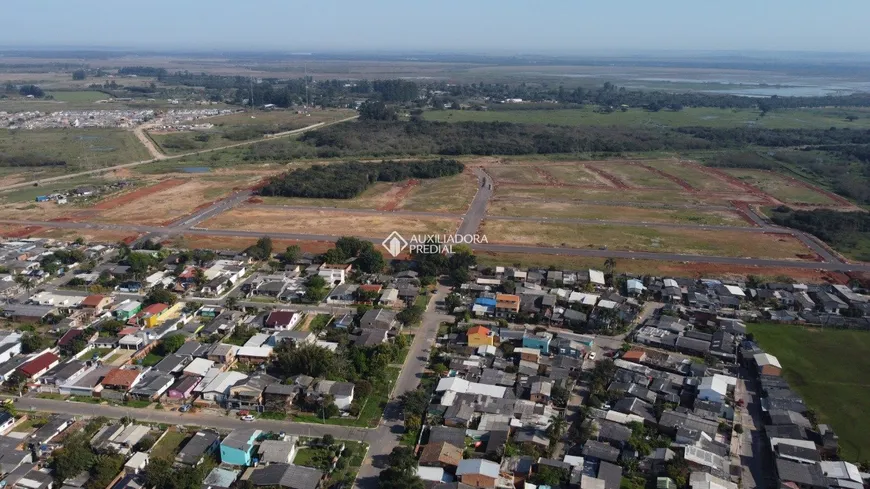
(394, 244)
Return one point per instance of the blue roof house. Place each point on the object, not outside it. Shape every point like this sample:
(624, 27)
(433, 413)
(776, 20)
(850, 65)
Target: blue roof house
(484, 306)
(540, 341)
(237, 448)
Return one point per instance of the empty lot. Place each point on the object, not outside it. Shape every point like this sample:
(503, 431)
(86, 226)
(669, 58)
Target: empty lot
(780, 187)
(327, 222)
(640, 238)
(513, 208)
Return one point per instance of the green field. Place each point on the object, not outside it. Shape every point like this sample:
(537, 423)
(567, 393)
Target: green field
(81, 149)
(691, 116)
(779, 186)
(86, 96)
(169, 445)
(28, 194)
(239, 127)
(828, 368)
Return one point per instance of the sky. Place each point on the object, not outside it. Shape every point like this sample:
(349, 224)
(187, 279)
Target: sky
(473, 26)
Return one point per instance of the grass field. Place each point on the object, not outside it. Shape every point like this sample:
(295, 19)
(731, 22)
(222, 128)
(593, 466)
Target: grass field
(374, 197)
(242, 126)
(515, 174)
(694, 175)
(690, 116)
(829, 369)
(637, 238)
(634, 175)
(447, 194)
(82, 149)
(169, 445)
(574, 174)
(78, 97)
(29, 194)
(780, 187)
(615, 213)
(326, 222)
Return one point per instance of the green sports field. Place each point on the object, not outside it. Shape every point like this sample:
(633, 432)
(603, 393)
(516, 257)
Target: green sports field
(828, 367)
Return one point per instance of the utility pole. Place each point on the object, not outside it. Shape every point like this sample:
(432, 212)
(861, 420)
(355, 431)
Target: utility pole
(251, 81)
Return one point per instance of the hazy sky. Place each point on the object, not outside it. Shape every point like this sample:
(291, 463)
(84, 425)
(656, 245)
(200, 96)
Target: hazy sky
(514, 26)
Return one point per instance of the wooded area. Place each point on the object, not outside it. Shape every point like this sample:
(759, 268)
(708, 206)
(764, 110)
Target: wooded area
(349, 179)
(845, 231)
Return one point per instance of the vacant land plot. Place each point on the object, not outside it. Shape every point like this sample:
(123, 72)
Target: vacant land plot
(515, 174)
(509, 208)
(780, 187)
(242, 126)
(89, 235)
(694, 175)
(828, 368)
(194, 241)
(327, 222)
(446, 194)
(670, 197)
(640, 238)
(574, 174)
(84, 96)
(169, 445)
(29, 194)
(172, 202)
(81, 149)
(690, 116)
(634, 175)
(374, 197)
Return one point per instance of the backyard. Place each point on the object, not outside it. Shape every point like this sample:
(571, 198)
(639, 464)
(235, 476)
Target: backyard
(828, 368)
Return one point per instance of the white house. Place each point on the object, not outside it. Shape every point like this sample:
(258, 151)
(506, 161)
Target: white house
(216, 390)
(333, 276)
(716, 387)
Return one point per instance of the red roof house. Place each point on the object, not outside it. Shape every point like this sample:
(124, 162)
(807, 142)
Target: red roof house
(33, 369)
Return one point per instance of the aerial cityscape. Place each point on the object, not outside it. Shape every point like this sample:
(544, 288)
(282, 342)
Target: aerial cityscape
(496, 253)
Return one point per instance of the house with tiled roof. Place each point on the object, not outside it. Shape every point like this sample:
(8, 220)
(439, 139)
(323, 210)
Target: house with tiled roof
(33, 369)
(118, 381)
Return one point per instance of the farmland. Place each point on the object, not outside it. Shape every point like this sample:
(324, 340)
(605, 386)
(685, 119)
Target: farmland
(828, 368)
(643, 238)
(326, 222)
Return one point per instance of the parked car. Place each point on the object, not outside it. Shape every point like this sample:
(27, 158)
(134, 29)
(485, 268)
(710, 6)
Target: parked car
(592, 356)
(248, 418)
(184, 408)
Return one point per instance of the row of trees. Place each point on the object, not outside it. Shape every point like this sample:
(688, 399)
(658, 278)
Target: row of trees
(842, 230)
(347, 180)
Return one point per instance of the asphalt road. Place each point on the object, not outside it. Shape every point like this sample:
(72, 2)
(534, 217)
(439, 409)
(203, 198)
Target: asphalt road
(374, 212)
(173, 157)
(503, 248)
(477, 210)
(193, 419)
(386, 437)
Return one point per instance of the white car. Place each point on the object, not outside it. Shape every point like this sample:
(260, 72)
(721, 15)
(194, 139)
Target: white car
(592, 356)
(248, 418)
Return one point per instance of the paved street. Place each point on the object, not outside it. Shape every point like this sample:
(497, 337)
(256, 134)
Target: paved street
(386, 437)
(751, 441)
(477, 210)
(194, 419)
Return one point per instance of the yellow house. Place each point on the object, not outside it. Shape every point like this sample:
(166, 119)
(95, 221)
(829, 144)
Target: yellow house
(480, 336)
(156, 314)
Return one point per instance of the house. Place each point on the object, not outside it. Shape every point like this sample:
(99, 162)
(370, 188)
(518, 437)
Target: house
(53, 427)
(220, 478)
(277, 451)
(480, 336)
(600, 451)
(222, 353)
(126, 310)
(767, 364)
(152, 385)
(484, 306)
(507, 305)
(540, 341)
(389, 297)
(286, 476)
(248, 392)
(183, 387)
(370, 337)
(219, 388)
(198, 367)
(253, 354)
(27, 313)
(6, 422)
(118, 381)
(716, 387)
(172, 364)
(195, 450)
(378, 319)
(333, 276)
(540, 391)
(441, 454)
(95, 304)
(804, 476)
(279, 397)
(10, 456)
(478, 472)
(237, 448)
(282, 320)
(36, 367)
(342, 392)
(28, 476)
(344, 295)
(704, 480)
(150, 316)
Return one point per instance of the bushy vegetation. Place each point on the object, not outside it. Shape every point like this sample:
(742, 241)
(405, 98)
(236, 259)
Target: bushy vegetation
(347, 180)
(848, 232)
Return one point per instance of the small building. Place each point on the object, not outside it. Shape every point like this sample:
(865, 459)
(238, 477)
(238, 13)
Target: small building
(95, 304)
(277, 451)
(480, 336)
(478, 472)
(767, 364)
(238, 447)
(35, 368)
(282, 320)
(195, 450)
(286, 476)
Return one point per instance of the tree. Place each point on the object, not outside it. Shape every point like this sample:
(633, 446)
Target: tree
(291, 254)
(171, 344)
(25, 282)
(411, 315)
(160, 295)
(31, 343)
(557, 427)
(375, 110)
(677, 469)
(231, 303)
(199, 277)
(738, 428)
(610, 265)
(452, 301)
(79, 75)
(104, 470)
(310, 360)
(370, 260)
(414, 402)
(262, 250)
(328, 440)
(74, 457)
(549, 476)
(560, 396)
